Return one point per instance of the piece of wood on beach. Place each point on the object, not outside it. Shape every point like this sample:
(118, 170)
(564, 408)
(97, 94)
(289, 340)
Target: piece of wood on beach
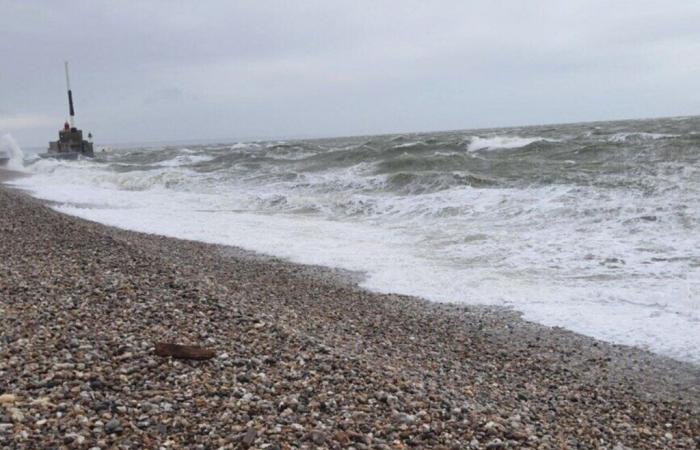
(184, 351)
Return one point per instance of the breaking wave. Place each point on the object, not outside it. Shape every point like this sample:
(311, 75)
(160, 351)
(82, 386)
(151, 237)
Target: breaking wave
(14, 152)
(502, 142)
(185, 160)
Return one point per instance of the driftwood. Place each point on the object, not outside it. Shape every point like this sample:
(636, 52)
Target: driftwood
(184, 351)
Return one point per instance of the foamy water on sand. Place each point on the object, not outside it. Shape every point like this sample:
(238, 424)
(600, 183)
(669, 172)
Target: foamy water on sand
(593, 227)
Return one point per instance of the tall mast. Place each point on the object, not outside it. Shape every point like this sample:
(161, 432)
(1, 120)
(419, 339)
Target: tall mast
(70, 98)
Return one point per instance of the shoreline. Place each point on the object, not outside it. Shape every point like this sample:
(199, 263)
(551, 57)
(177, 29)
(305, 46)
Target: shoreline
(9, 175)
(389, 369)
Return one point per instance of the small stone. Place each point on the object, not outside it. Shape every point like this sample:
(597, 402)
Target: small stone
(7, 399)
(495, 444)
(342, 437)
(42, 401)
(73, 438)
(125, 356)
(96, 385)
(621, 447)
(167, 407)
(113, 426)
(249, 438)
(16, 415)
(406, 418)
(318, 437)
(102, 406)
(517, 435)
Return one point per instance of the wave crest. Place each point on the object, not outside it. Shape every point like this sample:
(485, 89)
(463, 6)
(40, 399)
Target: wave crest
(632, 137)
(503, 142)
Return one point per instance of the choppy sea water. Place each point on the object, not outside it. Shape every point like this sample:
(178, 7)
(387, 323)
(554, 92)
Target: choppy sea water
(592, 227)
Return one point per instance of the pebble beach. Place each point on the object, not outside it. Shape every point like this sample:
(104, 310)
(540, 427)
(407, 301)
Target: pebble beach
(304, 357)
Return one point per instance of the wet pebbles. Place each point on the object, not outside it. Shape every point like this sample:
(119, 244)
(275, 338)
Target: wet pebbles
(302, 360)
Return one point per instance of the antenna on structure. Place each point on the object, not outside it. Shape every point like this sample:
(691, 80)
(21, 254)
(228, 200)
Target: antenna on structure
(70, 98)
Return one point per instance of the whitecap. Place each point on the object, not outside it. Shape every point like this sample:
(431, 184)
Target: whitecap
(642, 136)
(185, 160)
(502, 142)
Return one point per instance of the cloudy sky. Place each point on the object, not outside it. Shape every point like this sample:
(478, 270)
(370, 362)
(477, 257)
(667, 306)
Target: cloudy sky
(172, 70)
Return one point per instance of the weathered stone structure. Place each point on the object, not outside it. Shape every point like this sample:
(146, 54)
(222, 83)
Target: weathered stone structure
(70, 143)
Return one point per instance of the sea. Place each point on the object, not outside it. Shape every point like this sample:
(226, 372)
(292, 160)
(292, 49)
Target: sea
(594, 227)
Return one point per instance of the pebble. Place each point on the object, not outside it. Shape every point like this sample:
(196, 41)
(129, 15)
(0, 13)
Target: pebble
(73, 438)
(16, 415)
(249, 437)
(495, 444)
(113, 426)
(7, 399)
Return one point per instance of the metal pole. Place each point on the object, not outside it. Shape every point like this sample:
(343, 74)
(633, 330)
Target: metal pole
(70, 98)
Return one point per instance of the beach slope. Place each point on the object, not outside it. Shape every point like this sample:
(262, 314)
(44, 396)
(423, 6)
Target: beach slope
(304, 358)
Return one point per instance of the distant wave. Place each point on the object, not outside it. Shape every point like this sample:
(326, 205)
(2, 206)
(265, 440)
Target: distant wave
(417, 183)
(244, 145)
(502, 142)
(408, 144)
(185, 160)
(628, 137)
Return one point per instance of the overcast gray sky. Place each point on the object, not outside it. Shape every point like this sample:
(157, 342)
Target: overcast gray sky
(170, 70)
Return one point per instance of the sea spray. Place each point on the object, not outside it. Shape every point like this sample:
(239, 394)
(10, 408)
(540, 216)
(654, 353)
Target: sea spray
(14, 152)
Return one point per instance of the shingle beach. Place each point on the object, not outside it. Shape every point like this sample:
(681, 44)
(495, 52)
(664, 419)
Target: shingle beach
(304, 357)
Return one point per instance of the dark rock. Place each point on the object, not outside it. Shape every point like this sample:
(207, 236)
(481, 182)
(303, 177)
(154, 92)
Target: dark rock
(318, 437)
(97, 385)
(102, 406)
(113, 426)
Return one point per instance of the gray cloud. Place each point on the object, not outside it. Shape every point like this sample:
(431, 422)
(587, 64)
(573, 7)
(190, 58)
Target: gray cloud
(167, 70)
(166, 96)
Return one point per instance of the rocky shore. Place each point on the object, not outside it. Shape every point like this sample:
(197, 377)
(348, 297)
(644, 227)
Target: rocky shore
(304, 358)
